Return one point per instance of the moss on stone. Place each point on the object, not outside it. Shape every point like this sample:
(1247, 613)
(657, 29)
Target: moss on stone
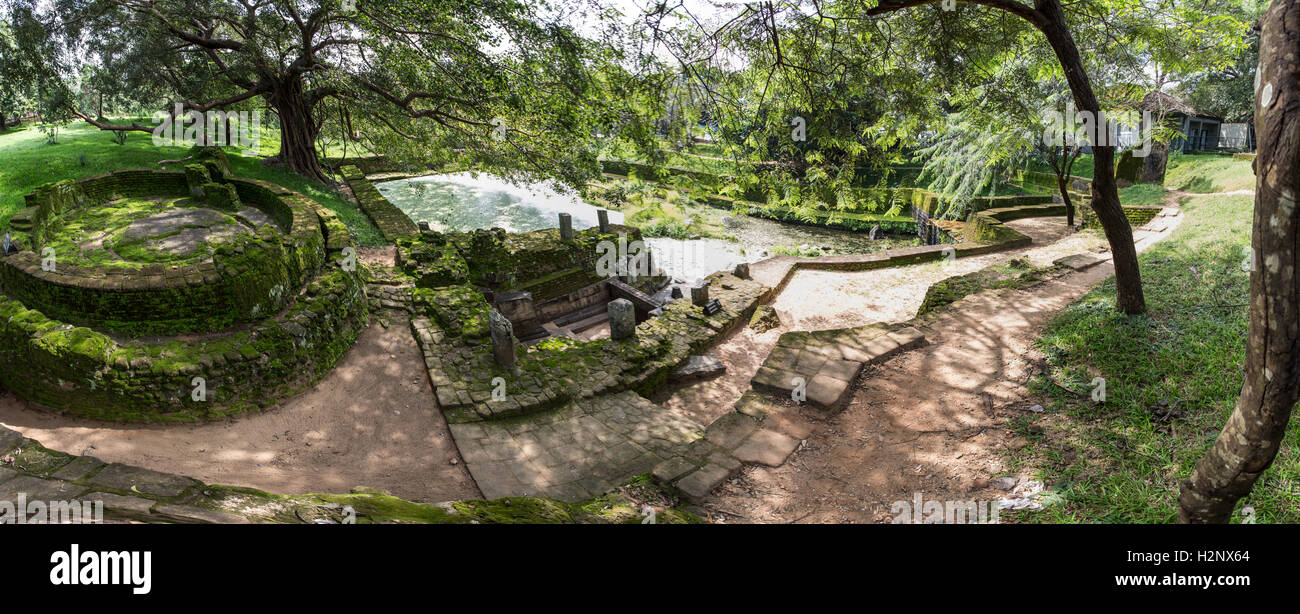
(1016, 273)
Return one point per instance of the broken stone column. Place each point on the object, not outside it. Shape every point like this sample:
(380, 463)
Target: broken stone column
(700, 294)
(622, 319)
(566, 226)
(602, 217)
(503, 338)
(742, 270)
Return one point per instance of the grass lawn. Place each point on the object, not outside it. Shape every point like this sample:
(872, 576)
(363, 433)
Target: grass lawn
(1207, 173)
(26, 162)
(1082, 167)
(1143, 194)
(1171, 376)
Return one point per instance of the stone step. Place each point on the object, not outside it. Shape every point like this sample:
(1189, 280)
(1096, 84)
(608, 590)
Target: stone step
(808, 372)
(1078, 262)
(730, 442)
(589, 322)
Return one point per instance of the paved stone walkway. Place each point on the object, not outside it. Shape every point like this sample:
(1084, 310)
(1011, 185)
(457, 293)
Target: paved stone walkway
(583, 449)
(126, 492)
(824, 364)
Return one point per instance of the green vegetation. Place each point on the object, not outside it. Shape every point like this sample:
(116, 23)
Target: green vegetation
(1142, 194)
(1208, 173)
(29, 162)
(622, 505)
(1015, 273)
(1172, 378)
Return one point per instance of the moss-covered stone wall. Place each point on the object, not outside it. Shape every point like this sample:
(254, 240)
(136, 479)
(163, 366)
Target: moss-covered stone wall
(390, 220)
(87, 373)
(304, 311)
(248, 279)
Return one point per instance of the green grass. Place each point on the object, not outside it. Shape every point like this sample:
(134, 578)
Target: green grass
(26, 162)
(1143, 194)
(1121, 461)
(1208, 173)
(1083, 167)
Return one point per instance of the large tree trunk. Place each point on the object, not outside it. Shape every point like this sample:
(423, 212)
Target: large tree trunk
(1153, 167)
(1105, 194)
(297, 131)
(1248, 444)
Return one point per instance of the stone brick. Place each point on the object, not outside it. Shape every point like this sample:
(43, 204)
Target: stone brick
(729, 430)
(844, 370)
(187, 514)
(829, 393)
(767, 447)
(699, 483)
(78, 468)
(146, 481)
(671, 469)
(121, 505)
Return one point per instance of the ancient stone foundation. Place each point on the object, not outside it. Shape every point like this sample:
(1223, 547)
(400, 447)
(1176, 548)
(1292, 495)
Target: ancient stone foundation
(135, 300)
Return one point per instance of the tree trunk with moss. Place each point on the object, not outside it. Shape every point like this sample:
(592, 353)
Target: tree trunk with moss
(1247, 445)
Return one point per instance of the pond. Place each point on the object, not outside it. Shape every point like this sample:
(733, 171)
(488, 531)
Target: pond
(463, 201)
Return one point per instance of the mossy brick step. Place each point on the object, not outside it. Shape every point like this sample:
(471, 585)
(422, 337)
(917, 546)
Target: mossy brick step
(391, 221)
(826, 363)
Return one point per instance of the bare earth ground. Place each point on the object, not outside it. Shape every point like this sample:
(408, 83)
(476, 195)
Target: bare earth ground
(820, 300)
(932, 421)
(372, 421)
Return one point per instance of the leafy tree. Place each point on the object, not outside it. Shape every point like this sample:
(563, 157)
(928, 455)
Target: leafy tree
(505, 84)
(18, 79)
(1049, 18)
(1227, 92)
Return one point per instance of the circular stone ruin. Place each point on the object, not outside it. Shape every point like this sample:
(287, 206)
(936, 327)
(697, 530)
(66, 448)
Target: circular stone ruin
(145, 295)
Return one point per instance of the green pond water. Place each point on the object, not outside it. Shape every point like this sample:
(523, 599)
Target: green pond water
(463, 201)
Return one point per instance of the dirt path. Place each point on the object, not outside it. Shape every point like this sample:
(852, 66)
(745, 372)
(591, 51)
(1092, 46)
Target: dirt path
(819, 300)
(932, 421)
(372, 421)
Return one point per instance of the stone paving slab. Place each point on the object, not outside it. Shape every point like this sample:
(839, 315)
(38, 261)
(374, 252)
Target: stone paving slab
(1078, 262)
(146, 481)
(122, 505)
(766, 447)
(79, 468)
(826, 363)
(583, 449)
(39, 489)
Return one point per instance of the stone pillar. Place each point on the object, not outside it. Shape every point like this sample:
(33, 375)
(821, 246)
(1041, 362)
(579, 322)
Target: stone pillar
(503, 338)
(700, 294)
(622, 319)
(566, 226)
(602, 216)
(742, 270)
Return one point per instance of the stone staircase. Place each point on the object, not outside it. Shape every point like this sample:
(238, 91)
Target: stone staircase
(819, 367)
